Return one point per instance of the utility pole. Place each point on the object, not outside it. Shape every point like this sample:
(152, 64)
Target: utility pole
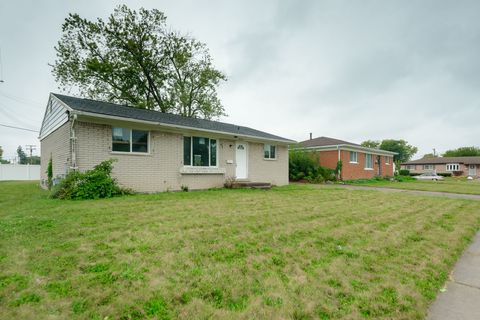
(30, 147)
(434, 152)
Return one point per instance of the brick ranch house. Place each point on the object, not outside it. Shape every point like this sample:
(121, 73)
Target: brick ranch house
(156, 151)
(357, 162)
(457, 166)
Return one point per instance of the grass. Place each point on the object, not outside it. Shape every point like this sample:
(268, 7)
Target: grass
(450, 185)
(294, 252)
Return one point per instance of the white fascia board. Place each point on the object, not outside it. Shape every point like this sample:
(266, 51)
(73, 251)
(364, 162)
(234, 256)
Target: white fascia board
(180, 127)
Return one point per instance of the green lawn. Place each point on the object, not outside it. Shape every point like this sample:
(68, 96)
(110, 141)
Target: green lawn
(294, 252)
(451, 185)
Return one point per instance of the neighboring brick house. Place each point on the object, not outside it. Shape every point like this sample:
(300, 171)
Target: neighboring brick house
(156, 151)
(457, 166)
(357, 162)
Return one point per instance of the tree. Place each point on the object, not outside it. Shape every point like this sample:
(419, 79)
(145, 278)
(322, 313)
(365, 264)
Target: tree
(1, 154)
(404, 150)
(371, 144)
(463, 152)
(22, 156)
(429, 155)
(133, 58)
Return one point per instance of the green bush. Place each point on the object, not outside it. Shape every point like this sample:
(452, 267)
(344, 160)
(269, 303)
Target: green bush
(404, 172)
(92, 184)
(50, 174)
(446, 174)
(305, 166)
(414, 174)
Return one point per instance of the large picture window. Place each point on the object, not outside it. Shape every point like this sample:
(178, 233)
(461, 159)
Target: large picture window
(453, 167)
(199, 152)
(368, 161)
(129, 140)
(269, 151)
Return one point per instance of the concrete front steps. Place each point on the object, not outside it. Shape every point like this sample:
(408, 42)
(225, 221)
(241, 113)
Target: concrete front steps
(251, 185)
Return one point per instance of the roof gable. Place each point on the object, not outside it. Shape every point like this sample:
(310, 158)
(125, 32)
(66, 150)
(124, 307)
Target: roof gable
(55, 116)
(106, 109)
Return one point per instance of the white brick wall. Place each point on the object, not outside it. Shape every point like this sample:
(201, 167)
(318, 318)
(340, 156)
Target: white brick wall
(160, 169)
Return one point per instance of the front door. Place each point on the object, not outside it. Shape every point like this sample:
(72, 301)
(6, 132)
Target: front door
(241, 160)
(379, 165)
(472, 170)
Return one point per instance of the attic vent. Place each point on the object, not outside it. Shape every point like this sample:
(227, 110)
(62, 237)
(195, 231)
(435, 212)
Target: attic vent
(50, 106)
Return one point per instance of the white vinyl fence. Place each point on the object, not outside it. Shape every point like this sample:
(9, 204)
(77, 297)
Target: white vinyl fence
(19, 172)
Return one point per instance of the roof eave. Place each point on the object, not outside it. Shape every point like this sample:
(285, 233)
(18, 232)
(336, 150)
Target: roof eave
(349, 146)
(167, 125)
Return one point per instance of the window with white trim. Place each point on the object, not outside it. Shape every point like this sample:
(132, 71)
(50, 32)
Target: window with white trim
(269, 151)
(453, 167)
(199, 152)
(410, 167)
(353, 157)
(428, 167)
(368, 161)
(129, 140)
(387, 160)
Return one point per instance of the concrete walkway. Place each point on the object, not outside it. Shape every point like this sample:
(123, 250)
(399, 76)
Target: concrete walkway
(417, 192)
(461, 300)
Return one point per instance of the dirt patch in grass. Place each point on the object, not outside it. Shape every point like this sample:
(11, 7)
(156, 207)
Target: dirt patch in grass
(293, 252)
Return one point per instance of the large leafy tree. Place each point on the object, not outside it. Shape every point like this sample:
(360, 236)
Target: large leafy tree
(370, 144)
(404, 150)
(463, 152)
(134, 58)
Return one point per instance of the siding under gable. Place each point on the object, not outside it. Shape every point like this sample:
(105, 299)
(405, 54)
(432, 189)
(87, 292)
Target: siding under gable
(55, 116)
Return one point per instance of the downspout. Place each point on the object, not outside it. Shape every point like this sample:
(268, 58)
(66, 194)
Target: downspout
(73, 144)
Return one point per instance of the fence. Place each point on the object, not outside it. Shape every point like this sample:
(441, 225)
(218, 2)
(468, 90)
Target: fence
(19, 172)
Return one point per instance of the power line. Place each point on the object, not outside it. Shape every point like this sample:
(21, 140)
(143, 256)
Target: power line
(19, 128)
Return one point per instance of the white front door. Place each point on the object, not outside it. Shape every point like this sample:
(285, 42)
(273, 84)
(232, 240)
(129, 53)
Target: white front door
(241, 160)
(472, 170)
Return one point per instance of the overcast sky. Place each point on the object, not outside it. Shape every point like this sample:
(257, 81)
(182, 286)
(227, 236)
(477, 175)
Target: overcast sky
(353, 70)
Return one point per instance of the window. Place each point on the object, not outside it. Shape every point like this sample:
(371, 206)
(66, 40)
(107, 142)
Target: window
(129, 140)
(269, 151)
(428, 167)
(199, 152)
(353, 157)
(387, 160)
(368, 161)
(453, 167)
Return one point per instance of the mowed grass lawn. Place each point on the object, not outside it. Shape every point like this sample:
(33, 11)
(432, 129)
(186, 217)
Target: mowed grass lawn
(451, 185)
(294, 252)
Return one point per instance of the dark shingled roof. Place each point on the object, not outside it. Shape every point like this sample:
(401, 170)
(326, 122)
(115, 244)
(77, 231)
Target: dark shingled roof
(325, 141)
(117, 110)
(445, 160)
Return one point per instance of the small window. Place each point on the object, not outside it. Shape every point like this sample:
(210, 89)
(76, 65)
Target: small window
(368, 161)
(428, 167)
(199, 152)
(410, 167)
(353, 157)
(269, 151)
(128, 140)
(453, 167)
(387, 160)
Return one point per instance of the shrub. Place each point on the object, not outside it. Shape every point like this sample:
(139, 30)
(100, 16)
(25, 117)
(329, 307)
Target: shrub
(304, 165)
(92, 184)
(445, 174)
(404, 172)
(414, 174)
(50, 174)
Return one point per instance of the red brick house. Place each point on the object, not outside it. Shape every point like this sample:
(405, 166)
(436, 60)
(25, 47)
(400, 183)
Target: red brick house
(357, 162)
(457, 166)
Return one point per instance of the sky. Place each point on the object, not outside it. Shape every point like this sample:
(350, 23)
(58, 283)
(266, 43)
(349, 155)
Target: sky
(351, 70)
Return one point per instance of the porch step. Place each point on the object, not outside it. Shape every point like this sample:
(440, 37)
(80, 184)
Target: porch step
(252, 185)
